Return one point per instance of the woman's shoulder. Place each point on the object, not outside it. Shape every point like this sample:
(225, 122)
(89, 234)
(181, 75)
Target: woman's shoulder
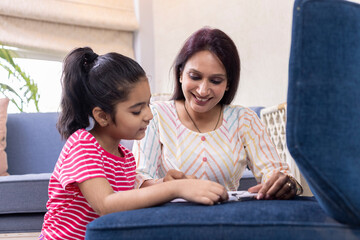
(159, 104)
(237, 108)
(163, 107)
(239, 112)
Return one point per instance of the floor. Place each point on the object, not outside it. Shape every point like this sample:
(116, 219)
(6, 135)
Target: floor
(20, 236)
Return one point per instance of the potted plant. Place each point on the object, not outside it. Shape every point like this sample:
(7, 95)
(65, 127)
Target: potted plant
(19, 87)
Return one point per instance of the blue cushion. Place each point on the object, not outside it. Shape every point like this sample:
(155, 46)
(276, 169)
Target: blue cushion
(23, 202)
(323, 133)
(16, 189)
(272, 219)
(256, 109)
(21, 222)
(33, 142)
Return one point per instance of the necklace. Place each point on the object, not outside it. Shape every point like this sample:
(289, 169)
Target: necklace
(195, 123)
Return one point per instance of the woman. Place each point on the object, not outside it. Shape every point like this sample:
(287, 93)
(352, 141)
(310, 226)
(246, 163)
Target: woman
(199, 134)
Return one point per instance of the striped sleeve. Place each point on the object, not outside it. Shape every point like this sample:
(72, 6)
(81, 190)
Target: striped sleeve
(262, 156)
(82, 161)
(147, 152)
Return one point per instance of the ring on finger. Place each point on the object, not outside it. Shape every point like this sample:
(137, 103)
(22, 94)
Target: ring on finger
(289, 184)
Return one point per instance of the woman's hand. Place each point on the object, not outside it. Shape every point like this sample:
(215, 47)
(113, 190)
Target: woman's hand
(173, 174)
(278, 186)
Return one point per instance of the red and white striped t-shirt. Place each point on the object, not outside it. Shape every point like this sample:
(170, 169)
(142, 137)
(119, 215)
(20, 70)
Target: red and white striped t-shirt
(82, 158)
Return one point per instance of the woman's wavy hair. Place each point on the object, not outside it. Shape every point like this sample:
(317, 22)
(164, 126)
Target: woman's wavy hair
(88, 81)
(221, 45)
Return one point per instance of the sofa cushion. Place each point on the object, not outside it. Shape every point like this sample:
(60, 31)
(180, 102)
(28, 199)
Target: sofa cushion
(323, 135)
(33, 142)
(24, 193)
(301, 218)
(3, 116)
(21, 223)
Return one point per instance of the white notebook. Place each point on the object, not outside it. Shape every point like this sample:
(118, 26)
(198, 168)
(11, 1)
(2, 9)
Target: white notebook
(233, 196)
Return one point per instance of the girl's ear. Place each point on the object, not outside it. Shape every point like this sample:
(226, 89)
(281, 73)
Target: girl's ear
(100, 116)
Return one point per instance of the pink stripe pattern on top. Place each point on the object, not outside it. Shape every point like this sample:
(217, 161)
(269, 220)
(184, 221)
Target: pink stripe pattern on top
(82, 158)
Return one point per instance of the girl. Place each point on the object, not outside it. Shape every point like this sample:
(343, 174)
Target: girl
(94, 174)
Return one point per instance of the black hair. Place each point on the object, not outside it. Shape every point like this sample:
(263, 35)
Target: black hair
(88, 81)
(221, 45)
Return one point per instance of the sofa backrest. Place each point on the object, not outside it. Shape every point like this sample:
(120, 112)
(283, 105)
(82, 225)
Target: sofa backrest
(33, 142)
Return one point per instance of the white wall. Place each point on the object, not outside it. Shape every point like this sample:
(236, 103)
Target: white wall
(261, 29)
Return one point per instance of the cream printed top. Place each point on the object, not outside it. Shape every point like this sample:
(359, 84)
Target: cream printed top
(220, 155)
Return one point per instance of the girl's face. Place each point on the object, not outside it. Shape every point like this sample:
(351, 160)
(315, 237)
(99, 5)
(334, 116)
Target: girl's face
(133, 115)
(203, 81)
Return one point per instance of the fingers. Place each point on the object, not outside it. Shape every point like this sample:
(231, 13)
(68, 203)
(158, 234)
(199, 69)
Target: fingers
(222, 193)
(211, 198)
(278, 186)
(271, 186)
(176, 174)
(218, 196)
(284, 190)
(264, 192)
(173, 174)
(204, 191)
(191, 177)
(255, 188)
(217, 192)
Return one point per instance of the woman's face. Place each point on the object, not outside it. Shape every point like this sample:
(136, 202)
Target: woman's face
(204, 81)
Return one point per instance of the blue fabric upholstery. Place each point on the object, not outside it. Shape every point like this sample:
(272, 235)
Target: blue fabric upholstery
(323, 133)
(33, 147)
(33, 142)
(296, 219)
(323, 137)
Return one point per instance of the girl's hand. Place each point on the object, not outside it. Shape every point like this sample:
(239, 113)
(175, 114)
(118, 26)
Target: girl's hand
(278, 186)
(173, 174)
(201, 191)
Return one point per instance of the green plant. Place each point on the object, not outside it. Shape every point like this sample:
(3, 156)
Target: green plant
(20, 88)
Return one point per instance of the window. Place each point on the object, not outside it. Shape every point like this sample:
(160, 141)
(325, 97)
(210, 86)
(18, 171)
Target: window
(46, 74)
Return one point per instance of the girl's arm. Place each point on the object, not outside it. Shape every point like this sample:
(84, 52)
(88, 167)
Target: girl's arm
(101, 197)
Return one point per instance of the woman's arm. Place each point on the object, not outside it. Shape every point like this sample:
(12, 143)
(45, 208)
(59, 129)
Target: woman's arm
(103, 200)
(265, 162)
(147, 153)
(172, 174)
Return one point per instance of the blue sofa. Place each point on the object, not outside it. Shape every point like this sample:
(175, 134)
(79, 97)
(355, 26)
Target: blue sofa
(323, 133)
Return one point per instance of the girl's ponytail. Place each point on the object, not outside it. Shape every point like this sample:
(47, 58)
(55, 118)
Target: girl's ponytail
(76, 103)
(89, 81)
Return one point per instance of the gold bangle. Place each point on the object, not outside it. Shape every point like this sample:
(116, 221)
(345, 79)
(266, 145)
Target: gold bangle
(299, 188)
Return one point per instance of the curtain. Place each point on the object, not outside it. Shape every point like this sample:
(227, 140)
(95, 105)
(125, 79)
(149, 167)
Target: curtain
(58, 26)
